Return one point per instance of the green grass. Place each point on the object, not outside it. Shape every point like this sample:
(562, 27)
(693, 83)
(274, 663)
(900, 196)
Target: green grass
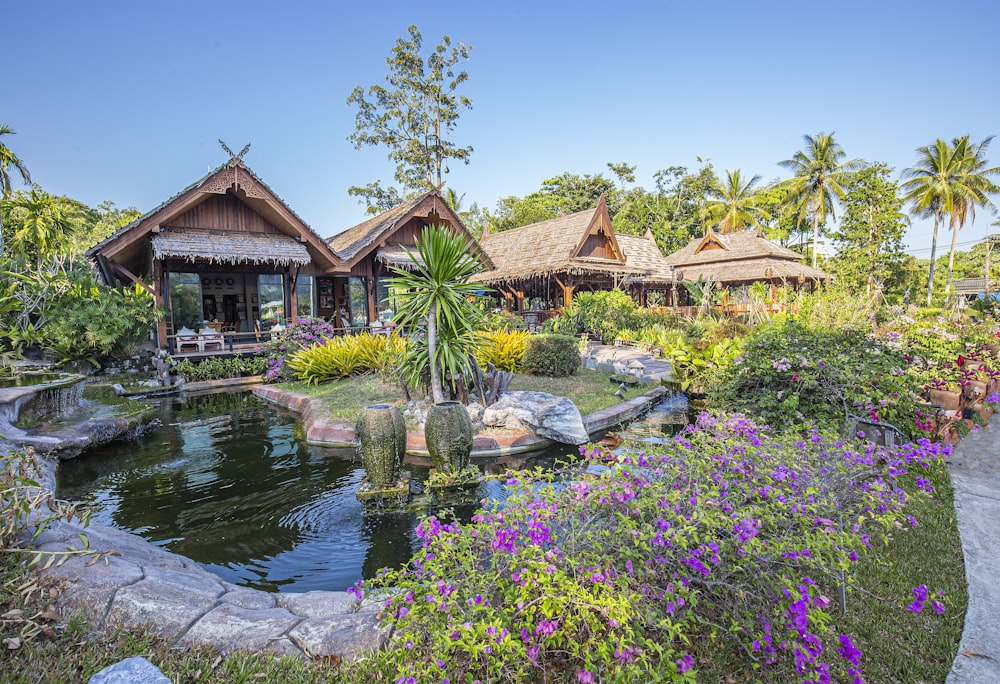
(590, 390)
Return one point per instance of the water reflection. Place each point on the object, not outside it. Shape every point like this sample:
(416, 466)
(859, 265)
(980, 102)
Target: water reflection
(228, 481)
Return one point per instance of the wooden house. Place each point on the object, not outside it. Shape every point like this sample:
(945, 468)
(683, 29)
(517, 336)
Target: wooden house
(540, 266)
(357, 295)
(225, 252)
(227, 255)
(742, 258)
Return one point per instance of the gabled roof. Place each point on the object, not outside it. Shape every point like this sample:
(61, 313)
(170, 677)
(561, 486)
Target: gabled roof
(643, 253)
(740, 257)
(233, 177)
(553, 246)
(354, 244)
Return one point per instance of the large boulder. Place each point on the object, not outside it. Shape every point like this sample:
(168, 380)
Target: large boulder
(549, 416)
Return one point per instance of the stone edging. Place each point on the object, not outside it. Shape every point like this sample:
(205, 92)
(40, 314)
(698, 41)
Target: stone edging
(321, 432)
(139, 585)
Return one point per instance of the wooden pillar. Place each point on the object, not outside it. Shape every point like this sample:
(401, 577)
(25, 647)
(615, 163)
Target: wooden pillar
(567, 291)
(161, 297)
(293, 296)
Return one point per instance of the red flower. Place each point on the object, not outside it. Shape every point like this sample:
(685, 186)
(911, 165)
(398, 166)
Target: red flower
(961, 361)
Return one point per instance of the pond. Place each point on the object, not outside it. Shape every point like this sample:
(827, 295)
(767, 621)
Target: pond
(229, 482)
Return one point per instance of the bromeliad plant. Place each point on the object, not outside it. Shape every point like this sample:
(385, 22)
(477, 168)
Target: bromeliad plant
(729, 532)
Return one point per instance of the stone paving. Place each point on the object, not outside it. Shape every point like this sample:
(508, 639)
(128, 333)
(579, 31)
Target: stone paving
(613, 359)
(144, 586)
(975, 475)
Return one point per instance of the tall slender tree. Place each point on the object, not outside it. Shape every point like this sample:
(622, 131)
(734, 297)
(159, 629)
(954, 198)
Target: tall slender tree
(735, 203)
(413, 115)
(818, 177)
(973, 189)
(931, 188)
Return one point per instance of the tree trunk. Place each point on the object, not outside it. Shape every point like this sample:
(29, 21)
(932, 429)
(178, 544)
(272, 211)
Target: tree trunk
(815, 222)
(951, 259)
(437, 394)
(930, 279)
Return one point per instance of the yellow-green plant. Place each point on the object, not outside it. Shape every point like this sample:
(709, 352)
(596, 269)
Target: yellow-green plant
(503, 348)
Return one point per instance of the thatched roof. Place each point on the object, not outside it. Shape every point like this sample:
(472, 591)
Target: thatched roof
(642, 252)
(396, 255)
(238, 166)
(349, 243)
(741, 257)
(550, 247)
(195, 244)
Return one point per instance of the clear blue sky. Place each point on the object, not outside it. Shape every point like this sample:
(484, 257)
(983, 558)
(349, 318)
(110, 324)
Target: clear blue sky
(125, 101)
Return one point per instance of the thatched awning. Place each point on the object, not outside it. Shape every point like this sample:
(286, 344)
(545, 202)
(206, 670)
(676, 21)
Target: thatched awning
(395, 255)
(220, 247)
(751, 270)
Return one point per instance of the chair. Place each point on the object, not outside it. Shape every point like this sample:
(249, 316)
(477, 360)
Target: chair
(188, 338)
(210, 338)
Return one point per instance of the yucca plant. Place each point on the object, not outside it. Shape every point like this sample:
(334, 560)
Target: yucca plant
(437, 298)
(503, 348)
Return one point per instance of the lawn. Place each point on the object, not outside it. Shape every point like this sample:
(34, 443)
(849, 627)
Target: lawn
(590, 390)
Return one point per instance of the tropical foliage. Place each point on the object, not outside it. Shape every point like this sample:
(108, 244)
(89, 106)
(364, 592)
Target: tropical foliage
(434, 299)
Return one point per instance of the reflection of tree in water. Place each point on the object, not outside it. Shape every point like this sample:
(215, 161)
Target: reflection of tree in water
(213, 481)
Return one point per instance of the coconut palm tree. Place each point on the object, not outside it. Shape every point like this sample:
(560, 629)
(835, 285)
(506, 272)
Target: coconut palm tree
(973, 189)
(818, 177)
(735, 203)
(931, 187)
(10, 160)
(435, 294)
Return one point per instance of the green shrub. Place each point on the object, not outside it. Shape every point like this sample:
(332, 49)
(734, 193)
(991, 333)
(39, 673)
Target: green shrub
(551, 355)
(218, 368)
(503, 321)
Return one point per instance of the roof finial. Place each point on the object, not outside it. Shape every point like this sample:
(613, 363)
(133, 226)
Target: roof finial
(234, 158)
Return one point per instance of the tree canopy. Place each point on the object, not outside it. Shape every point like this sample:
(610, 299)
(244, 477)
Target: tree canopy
(413, 116)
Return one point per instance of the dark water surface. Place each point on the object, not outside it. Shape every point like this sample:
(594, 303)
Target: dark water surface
(229, 482)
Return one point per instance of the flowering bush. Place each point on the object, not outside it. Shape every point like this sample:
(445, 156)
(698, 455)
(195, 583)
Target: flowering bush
(728, 532)
(304, 332)
(788, 373)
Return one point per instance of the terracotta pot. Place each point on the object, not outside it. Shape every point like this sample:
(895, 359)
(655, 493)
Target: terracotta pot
(948, 400)
(974, 365)
(448, 432)
(381, 436)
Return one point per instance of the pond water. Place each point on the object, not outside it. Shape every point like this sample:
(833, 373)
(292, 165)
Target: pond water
(30, 379)
(229, 482)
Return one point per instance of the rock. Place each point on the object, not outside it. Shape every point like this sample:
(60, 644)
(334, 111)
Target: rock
(549, 416)
(135, 670)
(119, 390)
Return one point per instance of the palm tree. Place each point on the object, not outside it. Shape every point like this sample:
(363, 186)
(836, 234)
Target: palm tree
(435, 294)
(818, 176)
(931, 188)
(41, 225)
(974, 187)
(735, 203)
(7, 160)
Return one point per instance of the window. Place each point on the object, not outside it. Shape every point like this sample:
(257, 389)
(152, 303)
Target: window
(305, 291)
(385, 303)
(271, 288)
(357, 293)
(185, 300)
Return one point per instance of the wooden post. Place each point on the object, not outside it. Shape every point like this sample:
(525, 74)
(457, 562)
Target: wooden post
(161, 297)
(293, 295)
(567, 291)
